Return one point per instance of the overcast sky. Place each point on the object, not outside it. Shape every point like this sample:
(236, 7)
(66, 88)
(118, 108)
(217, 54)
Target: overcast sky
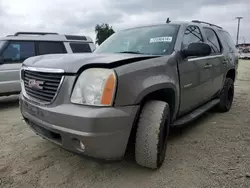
(81, 16)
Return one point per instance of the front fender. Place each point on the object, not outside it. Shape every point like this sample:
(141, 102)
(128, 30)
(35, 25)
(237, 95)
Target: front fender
(137, 80)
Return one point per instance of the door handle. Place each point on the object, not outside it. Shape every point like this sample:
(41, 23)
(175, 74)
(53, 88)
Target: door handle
(208, 66)
(224, 61)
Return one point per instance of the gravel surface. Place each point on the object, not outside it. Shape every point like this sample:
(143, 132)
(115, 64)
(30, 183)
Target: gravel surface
(213, 151)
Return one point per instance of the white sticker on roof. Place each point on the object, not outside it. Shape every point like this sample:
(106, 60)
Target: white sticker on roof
(160, 39)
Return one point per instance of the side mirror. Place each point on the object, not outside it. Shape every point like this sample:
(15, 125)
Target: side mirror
(197, 49)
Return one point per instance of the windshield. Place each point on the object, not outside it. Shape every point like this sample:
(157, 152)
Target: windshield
(152, 40)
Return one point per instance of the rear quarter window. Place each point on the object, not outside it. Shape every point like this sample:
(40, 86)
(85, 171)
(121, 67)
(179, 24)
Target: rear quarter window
(228, 41)
(80, 47)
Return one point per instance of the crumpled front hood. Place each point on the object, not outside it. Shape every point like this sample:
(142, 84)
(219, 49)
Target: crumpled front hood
(71, 63)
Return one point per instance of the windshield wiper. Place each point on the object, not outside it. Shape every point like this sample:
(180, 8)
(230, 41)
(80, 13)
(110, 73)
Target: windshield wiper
(130, 52)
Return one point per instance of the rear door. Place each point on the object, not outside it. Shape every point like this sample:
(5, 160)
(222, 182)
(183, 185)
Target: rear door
(216, 60)
(195, 76)
(14, 53)
(229, 49)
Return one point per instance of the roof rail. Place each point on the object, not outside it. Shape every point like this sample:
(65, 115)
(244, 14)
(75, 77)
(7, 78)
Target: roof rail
(198, 21)
(34, 33)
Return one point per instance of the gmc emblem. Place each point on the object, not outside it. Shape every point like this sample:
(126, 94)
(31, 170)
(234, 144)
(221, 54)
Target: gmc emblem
(35, 84)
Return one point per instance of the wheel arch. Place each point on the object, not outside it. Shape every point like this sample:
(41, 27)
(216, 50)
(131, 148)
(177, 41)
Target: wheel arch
(163, 92)
(231, 74)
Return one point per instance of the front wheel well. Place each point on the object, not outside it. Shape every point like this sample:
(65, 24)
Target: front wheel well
(167, 95)
(231, 74)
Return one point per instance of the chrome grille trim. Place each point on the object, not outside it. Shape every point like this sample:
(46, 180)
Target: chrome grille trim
(41, 99)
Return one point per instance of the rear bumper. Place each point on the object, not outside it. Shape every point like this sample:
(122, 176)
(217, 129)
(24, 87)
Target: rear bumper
(93, 131)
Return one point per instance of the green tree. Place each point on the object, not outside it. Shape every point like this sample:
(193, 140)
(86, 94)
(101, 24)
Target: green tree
(103, 31)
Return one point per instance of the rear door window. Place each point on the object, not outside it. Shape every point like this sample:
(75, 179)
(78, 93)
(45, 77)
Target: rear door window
(80, 47)
(18, 51)
(212, 40)
(50, 48)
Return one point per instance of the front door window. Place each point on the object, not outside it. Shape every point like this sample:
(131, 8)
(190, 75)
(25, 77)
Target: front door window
(18, 51)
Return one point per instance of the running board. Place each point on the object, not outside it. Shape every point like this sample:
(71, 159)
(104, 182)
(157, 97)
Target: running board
(196, 113)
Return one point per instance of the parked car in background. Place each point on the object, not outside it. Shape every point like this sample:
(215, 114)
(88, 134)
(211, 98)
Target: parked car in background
(14, 49)
(139, 81)
(245, 54)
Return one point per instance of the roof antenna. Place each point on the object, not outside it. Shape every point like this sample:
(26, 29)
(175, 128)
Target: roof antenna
(168, 20)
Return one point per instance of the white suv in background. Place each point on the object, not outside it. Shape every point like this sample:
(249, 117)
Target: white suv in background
(14, 49)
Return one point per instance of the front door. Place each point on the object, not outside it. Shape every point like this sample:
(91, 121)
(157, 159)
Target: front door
(12, 57)
(195, 74)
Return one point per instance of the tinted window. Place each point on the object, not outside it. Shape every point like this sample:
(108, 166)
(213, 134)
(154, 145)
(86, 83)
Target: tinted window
(18, 51)
(227, 39)
(51, 48)
(212, 40)
(80, 47)
(191, 35)
(155, 40)
(75, 37)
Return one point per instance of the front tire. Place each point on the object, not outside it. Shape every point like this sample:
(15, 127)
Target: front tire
(226, 96)
(152, 133)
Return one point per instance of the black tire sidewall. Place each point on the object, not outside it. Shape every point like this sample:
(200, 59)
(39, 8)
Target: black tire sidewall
(225, 105)
(163, 136)
(151, 135)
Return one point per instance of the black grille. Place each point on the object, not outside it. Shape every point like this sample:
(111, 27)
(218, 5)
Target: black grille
(41, 86)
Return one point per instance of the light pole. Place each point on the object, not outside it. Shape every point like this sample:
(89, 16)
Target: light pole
(238, 29)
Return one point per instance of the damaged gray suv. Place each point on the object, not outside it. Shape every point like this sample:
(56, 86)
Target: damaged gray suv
(137, 84)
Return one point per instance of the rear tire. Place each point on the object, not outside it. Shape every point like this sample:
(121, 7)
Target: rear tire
(226, 96)
(152, 133)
